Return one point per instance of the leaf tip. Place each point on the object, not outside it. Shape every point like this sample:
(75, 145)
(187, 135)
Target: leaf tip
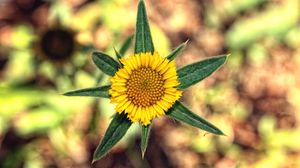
(223, 58)
(94, 53)
(222, 133)
(143, 154)
(94, 160)
(219, 132)
(141, 3)
(226, 57)
(115, 49)
(65, 94)
(187, 41)
(143, 151)
(96, 157)
(117, 53)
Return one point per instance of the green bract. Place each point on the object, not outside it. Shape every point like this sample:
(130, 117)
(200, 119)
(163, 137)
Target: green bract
(188, 76)
(93, 92)
(116, 130)
(145, 138)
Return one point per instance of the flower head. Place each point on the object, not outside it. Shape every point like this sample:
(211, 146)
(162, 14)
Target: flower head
(58, 44)
(145, 87)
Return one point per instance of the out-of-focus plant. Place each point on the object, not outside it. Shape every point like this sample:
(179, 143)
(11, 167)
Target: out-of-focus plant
(36, 60)
(274, 22)
(146, 85)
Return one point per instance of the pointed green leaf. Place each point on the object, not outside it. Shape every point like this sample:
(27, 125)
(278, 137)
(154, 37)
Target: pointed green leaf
(143, 39)
(117, 53)
(105, 63)
(177, 51)
(115, 131)
(93, 92)
(126, 45)
(181, 113)
(145, 138)
(193, 73)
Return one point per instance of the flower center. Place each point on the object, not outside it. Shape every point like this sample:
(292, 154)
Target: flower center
(145, 87)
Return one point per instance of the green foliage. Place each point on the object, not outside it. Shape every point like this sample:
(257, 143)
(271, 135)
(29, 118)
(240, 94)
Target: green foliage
(115, 131)
(93, 92)
(126, 45)
(193, 73)
(40, 121)
(145, 138)
(275, 21)
(105, 63)
(176, 51)
(143, 39)
(183, 114)
(117, 53)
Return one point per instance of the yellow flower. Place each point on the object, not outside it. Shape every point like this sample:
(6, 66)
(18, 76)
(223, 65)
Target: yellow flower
(145, 87)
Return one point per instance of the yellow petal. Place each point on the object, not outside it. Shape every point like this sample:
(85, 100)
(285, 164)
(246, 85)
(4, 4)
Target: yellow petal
(139, 112)
(162, 66)
(143, 61)
(171, 84)
(129, 108)
(129, 63)
(151, 60)
(118, 84)
(170, 68)
(114, 94)
(134, 62)
(152, 112)
(172, 78)
(118, 80)
(168, 98)
(133, 112)
(119, 98)
(174, 81)
(170, 73)
(138, 60)
(119, 88)
(123, 73)
(157, 61)
(118, 107)
(147, 60)
(161, 105)
(128, 69)
(158, 109)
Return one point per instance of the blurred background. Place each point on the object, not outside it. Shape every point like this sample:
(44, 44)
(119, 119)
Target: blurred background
(45, 50)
